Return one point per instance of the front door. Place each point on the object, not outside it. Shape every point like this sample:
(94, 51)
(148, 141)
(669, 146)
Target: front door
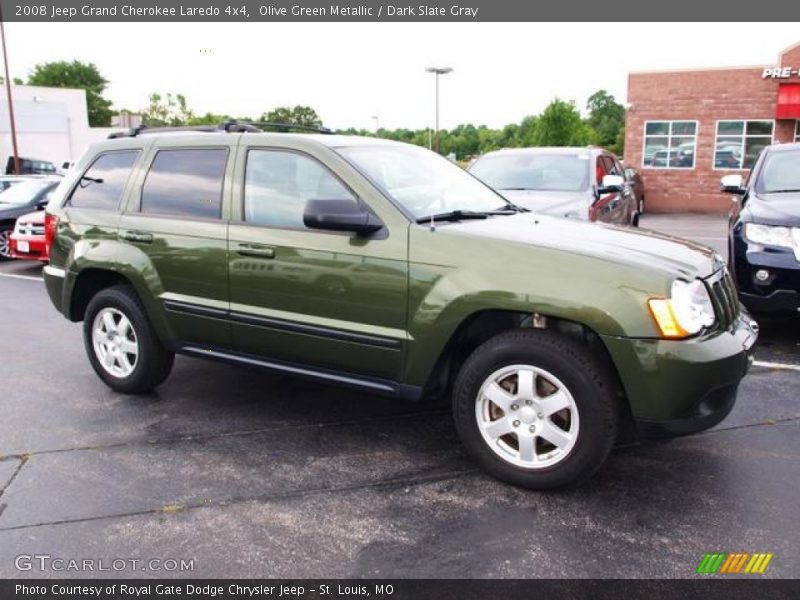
(327, 300)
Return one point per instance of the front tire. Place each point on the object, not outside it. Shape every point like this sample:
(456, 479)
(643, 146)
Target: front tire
(122, 346)
(5, 242)
(535, 409)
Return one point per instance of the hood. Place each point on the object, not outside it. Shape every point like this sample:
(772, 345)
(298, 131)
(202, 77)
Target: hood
(557, 204)
(12, 211)
(775, 209)
(639, 248)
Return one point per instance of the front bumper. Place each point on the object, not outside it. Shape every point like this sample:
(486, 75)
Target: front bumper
(677, 387)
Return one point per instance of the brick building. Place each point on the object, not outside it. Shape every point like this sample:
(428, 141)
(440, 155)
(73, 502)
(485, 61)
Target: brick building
(686, 129)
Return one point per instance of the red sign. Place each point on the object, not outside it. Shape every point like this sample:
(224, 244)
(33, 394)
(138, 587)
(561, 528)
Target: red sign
(788, 101)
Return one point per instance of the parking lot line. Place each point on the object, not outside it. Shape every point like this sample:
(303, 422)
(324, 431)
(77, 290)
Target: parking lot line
(774, 365)
(15, 276)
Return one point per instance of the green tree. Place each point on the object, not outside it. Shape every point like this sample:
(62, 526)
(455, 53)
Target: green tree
(298, 115)
(80, 75)
(561, 125)
(607, 119)
(15, 80)
(167, 111)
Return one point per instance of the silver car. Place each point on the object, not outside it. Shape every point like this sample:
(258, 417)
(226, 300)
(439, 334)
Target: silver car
(581, 183)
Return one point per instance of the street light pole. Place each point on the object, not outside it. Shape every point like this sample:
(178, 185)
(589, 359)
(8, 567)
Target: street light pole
(8, 95)
(437, 71)
(377, 123)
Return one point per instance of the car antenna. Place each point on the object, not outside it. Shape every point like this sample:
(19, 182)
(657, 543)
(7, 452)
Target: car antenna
(433, 223)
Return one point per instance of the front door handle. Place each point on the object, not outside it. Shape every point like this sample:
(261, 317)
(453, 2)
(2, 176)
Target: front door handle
(256, 250)
(137, 236)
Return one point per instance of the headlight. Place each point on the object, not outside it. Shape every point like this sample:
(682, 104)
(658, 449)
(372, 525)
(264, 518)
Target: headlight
(685, 312)
(768, 235)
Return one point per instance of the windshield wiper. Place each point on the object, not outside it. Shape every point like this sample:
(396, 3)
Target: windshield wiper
(456, 215)
(781, 191)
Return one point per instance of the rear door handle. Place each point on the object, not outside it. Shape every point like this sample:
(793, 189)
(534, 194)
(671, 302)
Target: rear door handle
(256, 250)
(137, 236)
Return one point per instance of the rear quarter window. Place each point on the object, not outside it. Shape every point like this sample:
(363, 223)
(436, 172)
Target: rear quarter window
(103, 183)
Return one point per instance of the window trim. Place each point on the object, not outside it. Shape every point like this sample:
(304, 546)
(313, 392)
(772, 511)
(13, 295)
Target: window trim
(120, 202)
(243, 213)
(797, 131)
(669, 143)
(744, 137)
(137, 208)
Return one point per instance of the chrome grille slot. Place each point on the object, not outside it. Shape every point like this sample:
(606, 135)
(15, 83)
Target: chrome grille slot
(724, 298)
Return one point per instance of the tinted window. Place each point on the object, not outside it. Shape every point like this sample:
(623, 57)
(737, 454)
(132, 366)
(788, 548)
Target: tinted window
(185, 182)
(278, 184)
(103, 183)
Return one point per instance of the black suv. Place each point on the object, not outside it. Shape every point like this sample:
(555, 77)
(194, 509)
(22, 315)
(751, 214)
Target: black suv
(764, 233)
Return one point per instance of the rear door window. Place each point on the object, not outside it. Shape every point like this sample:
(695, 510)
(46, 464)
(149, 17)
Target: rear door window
(103, 183)
(187, 182)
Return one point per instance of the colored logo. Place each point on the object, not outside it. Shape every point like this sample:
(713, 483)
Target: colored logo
(726, 564)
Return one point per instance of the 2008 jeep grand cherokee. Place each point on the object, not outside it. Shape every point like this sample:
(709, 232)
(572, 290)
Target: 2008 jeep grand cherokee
(384, 267)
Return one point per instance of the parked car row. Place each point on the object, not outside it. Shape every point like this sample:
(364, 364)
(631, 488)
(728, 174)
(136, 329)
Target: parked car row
(22, 200)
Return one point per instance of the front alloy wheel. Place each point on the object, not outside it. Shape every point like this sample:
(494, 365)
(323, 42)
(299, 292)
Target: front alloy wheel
(5, 244)
(527, 416)
(536, 408)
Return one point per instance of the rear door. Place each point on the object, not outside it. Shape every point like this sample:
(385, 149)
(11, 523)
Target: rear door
(174, 230)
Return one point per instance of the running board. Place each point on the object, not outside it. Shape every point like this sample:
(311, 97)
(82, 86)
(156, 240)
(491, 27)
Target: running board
(383, 387)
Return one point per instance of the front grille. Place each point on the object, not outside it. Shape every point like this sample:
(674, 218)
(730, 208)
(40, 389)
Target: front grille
(724, 297)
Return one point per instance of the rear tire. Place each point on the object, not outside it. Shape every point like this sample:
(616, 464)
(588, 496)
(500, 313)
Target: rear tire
(121, 344)
(535, 409)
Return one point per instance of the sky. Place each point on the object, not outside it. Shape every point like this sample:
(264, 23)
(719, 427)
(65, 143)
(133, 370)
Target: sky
(352, 72)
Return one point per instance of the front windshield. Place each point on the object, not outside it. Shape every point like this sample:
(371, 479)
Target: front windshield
(421, 181)
(781, 173)
(547, 172)
(23, 193)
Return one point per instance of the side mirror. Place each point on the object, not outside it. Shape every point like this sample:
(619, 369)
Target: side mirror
(339, 215)
(611, 184)
(732, 184)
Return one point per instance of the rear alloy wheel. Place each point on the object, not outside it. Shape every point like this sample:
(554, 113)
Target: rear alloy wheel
(5, 244)
(122, 346)
(536, 409)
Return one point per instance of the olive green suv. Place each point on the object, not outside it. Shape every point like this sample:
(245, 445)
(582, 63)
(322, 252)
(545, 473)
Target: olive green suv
(384, 267)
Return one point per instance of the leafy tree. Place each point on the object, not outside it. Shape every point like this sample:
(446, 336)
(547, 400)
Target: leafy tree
(80, 75)
(167, 111)
(607, 119)
(298, 115)
(15, 80)
(561, 125)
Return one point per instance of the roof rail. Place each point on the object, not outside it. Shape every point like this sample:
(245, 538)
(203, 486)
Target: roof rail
(230, 126)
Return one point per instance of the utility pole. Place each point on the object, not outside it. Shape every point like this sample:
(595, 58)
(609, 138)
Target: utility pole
(437, 71)
(8, 95)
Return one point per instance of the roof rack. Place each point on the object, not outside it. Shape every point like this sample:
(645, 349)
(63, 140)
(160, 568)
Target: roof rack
(226, 127)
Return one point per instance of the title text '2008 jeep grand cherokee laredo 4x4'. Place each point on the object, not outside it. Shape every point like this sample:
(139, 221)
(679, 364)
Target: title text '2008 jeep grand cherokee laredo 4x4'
(384, 267)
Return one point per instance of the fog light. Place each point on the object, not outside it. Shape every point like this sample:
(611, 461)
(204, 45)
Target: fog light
(762, 275)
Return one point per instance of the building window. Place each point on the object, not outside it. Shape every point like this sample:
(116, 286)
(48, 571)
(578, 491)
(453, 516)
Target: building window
(185, 182)
(739, 143)
(797, 131)
(669, 144)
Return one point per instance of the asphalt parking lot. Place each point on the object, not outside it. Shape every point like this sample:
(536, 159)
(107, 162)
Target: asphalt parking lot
(253, 475)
